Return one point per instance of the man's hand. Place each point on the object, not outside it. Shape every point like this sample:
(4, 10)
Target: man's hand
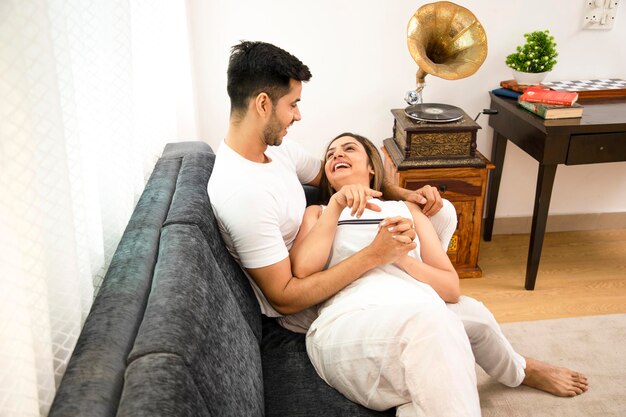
(356, 197)
(428, 198)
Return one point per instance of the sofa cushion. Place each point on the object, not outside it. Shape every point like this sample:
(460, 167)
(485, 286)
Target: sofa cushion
(161, 385)
(193, 313)
(93, 380)
(191, 205)
(292, 386)
(312, 195)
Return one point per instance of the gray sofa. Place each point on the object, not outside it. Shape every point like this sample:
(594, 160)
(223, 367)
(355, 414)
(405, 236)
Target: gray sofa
(176, 330)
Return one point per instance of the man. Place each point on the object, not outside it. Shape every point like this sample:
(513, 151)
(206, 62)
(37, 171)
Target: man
(256, 189)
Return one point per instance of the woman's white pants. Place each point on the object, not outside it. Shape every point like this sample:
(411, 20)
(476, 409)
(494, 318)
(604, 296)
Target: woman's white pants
(388, 356)
(492, 351)
(419, 357)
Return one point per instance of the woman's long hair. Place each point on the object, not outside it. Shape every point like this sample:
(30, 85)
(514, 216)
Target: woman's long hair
(376, 182)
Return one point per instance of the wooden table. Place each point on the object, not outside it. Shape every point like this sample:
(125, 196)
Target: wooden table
(599, 136)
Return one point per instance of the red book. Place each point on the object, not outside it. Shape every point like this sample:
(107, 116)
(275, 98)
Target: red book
(540, 95)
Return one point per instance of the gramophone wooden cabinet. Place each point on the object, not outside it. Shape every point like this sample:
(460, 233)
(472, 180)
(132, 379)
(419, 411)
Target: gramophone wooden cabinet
(465, 188)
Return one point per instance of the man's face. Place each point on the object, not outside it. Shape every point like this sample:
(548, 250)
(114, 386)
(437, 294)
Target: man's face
(284, 113)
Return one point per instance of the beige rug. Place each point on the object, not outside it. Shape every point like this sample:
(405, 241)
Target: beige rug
(593, 345)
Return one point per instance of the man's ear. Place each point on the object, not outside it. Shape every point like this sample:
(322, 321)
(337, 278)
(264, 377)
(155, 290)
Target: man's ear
(263, 105)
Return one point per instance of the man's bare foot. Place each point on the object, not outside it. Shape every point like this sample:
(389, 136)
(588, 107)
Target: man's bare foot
(562, 382)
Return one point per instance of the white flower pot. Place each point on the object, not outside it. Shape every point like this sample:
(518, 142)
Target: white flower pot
(529, 78)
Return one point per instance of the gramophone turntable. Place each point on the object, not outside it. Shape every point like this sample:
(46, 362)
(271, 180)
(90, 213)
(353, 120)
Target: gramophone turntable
(447, 41)
(434, 112)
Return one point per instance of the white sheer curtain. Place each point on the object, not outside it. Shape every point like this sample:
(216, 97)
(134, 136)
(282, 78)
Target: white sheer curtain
(90, 91)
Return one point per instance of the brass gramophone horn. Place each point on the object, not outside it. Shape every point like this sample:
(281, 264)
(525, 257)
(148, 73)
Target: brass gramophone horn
(446, 40)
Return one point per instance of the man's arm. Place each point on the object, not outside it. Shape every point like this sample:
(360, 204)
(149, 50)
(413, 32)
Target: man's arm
(289, 294)
(311, 247)
(427, 197)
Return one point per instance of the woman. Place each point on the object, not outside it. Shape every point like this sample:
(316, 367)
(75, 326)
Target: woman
(389, 338)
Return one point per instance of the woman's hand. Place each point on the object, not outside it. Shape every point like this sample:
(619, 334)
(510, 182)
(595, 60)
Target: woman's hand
(356, 197)
(402, 227)
(406, 233)
(394, 239)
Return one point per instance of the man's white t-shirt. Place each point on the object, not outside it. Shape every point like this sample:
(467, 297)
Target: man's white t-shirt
(259, 206)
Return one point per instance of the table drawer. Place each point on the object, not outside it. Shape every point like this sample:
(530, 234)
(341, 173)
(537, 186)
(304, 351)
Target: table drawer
(449, 187)
(601, 147)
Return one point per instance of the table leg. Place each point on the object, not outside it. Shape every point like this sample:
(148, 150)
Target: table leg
(545, 180)
(493, 187)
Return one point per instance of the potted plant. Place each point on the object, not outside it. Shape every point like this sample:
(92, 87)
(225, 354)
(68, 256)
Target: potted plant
(532, 61)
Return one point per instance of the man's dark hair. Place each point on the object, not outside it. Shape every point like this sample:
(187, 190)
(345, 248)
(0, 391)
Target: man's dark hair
(257, 67)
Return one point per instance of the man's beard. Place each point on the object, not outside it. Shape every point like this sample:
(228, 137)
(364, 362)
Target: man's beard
(272, 132)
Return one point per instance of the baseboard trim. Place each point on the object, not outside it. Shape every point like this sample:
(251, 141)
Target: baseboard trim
(561, 223)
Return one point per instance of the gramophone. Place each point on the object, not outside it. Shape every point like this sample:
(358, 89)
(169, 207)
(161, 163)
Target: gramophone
(445, 40)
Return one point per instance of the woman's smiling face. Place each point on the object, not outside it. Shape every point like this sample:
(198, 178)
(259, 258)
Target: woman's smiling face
(346, 162)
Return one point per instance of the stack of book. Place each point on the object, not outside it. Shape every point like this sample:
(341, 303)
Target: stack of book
(546, 103)
(551, 104)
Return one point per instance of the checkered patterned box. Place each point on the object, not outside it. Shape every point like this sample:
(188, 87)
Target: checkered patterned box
(601, 88)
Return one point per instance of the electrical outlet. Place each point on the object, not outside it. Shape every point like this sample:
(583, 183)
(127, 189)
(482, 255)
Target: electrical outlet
(599, 14)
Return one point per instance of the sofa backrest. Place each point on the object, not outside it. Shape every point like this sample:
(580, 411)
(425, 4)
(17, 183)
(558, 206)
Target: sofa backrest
(202, 321)
(94, 377)
(193, 316)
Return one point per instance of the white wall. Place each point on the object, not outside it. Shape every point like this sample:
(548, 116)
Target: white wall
(356, 50)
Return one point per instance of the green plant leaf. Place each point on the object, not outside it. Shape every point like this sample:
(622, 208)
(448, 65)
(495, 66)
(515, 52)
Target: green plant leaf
(538, 54)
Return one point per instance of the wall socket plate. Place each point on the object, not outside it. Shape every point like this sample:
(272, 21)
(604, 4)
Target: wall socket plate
(599, 14)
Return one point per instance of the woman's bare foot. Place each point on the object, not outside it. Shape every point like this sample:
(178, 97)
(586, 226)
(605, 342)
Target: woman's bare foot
(562, 382)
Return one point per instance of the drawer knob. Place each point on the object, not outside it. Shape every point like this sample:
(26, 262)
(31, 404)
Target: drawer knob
(442, 188)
